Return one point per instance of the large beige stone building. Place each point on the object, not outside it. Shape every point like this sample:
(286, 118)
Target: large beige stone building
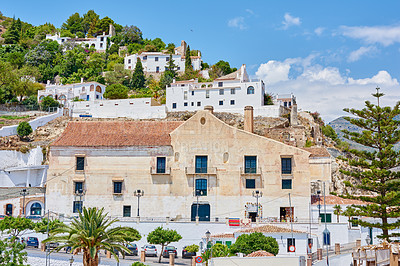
(200, 167)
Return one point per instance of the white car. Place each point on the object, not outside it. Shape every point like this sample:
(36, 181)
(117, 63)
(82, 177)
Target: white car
(150, 250)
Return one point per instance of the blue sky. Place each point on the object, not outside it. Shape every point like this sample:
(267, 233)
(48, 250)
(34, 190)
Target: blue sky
(330, 54)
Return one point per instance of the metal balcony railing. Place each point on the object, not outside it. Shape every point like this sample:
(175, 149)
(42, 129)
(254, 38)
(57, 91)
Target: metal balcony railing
(250, 171)
(201, 170)
(160, 171)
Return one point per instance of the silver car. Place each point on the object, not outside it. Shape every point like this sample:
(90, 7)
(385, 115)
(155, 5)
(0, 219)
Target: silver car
(150, 250)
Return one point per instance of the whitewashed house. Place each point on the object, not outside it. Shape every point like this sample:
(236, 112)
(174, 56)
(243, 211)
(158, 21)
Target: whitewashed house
(230, 93)
(157, 62)
(87, 91)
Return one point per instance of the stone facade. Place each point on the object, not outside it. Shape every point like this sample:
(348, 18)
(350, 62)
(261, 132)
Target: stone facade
(222, 151)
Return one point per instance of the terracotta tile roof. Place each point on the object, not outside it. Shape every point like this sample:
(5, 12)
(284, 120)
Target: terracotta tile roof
(233, 75)
(226, 235)
(333, 200)
(317, 152)
(260, 253)
(268, 229)
(185, 81)
(117, 133)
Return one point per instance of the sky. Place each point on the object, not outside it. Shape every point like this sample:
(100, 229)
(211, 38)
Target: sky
(330, 54)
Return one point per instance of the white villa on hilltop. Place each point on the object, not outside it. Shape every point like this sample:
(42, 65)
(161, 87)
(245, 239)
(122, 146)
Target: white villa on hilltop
(99, 42)
(230, 93)
(157, 62)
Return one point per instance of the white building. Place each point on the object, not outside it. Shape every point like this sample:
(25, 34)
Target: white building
(87, 91)
(230, 93)
(157, 62)
(99, 42)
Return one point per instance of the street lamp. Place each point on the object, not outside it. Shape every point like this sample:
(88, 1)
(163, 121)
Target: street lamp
(138, 193)
(198, 193)
(326, 234)
(208, 236)
(71, 260)
(23, 193)
(368, 239)
(257, 194)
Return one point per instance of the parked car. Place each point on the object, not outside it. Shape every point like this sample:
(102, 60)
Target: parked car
(168, 250)
(150, 250)
(32, 242)
(186, 254)
(52, 245)
(133, 248)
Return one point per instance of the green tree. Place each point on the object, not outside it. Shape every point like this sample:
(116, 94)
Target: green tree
(15, 226)
(44, 224)
(103, 25)
(24, 129)
(171, 48)
(329, 132)
(13, 33)
(116, 91)
(337, 211)
(12, 253)
(192, 248)
(138, 78)
(89, 21)
(92, 232)
(255, 241)
(188, 61)
(73, 24)
(220, 250)
(163, 237)
(372, 169)
(221, 68)
(48, 102)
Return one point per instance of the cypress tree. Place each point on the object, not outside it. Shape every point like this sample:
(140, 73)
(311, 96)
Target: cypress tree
(188, 61)
(372, 169)
(138, 78)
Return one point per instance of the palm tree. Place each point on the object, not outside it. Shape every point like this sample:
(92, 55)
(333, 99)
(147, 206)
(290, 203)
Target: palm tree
(337, 211)
(91, 232)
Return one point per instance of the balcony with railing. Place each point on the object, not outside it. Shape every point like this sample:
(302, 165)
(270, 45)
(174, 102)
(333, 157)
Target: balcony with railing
(250, 171)
(201, 170)
(160, 171)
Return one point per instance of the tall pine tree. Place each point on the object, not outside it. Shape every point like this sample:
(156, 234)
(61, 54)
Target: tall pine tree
(188, 61)
(372, 168)
(138, 78)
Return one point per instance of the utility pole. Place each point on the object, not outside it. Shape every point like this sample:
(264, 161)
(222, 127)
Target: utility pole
(24, 193)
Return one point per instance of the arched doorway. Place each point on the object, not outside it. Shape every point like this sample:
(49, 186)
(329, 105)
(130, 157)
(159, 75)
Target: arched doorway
(36, 209)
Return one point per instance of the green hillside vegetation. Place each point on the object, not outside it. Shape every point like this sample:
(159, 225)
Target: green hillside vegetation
(25, 52)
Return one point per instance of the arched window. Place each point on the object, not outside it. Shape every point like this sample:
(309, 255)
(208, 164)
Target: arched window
(98, 89)
(250, 90)
(9, 209)
(36, 209)
(92, 87)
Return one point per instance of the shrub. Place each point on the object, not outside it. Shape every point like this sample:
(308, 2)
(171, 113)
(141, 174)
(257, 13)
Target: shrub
(116, 91)
(329, 132)
(48, 102)
(24, 129)
(253, 242)
(192, 248)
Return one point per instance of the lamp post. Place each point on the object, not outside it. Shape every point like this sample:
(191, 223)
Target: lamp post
(71, 260)
(326, 233)
(24, 193)
(208, 236)
(198, 193)
(368, 239)
(138, 193)
(257, 194)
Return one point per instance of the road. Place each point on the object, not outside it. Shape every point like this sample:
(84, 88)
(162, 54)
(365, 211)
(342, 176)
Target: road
(37, 258)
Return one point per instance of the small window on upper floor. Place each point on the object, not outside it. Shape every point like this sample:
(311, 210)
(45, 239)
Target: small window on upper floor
(221, 92)
(250, 90)
(220, 84)
(250, 164)
(101, 45)
(129, 61)
(192, 103)
(80, 163)
(161, 163)
(173, 105)
(198, 103)
(102, 39)
(144, 57)
(221, 102)
(250, 183)
(156, 58)
(286, 166)
(167, 59)
(201, 187)
(117, 187)
(232, 102)
(78, 187)
(185, 95)
(192, 92)
(286, 183)
(233, 91)
(185, 104)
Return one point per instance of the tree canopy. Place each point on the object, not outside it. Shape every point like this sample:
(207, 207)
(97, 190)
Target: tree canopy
(163, 237)
(248, 243)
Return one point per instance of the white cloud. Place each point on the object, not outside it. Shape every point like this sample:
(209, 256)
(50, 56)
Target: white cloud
(357, 54)
(385, 35)
(324, 89)
(251, 12)
(319, 31)
(237, 22)
(290, 21)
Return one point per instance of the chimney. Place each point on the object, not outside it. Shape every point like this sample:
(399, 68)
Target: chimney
(209, 108)
(184, 46)
(248, 119)
(294, 121)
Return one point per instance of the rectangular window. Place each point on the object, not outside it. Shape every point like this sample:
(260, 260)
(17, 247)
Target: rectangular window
(102, 39)
(156, 58)
(233, 91)
(228, 243)
(291, 242)
(221, 92)
(201, 164)
(179, 68)
(286, 183)
(80, 163)
(185, 104)
(129, 61)
(167, 59)
(354, 224)
(117, 187)
(207, 94)
(220, 84)
(201, 187)
(221, 102)
(157, 69)
(198, 103)
(328, 217)
(145, 57)
(250, 164)
(192, 93)
(285, 104)
(127, 211)
(173, 105)
(286, 166)
(161, 165)
(250, 183)
(232, 102)
(192, 103)
(101, 45)
(78, 187)
(185, 94)
(77, 206)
